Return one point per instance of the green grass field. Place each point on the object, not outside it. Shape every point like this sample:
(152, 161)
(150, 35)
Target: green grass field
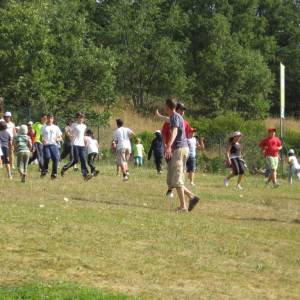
(125, 238)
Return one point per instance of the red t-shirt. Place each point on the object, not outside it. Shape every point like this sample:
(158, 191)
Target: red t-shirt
(31, 134)
(271, 145)
(166, 131)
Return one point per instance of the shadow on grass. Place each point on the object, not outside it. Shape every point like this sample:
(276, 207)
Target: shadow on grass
(119, 203)
(251, 219)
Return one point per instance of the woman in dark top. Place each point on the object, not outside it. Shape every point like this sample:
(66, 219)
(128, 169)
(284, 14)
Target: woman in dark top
(157, 148)
(234, 159)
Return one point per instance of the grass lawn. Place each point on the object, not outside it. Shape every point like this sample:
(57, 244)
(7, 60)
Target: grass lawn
(124, 237)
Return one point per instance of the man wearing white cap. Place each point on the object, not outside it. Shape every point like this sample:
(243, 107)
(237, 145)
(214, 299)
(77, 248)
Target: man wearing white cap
(11, 129)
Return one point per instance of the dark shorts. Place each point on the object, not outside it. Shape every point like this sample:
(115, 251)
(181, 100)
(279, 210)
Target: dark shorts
(5, 156)
(191, 164)
(237, 166)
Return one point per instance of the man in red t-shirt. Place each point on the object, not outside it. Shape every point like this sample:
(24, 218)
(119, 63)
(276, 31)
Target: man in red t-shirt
(270, 147)
(166, 130)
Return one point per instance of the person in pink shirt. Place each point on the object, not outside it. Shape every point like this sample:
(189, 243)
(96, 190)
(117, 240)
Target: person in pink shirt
(270, 147)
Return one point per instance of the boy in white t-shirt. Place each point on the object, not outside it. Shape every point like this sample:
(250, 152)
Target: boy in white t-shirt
(294, 166)
(51, 135)
(11, 129)
(92, 148)
(77, 132)
(122, 137)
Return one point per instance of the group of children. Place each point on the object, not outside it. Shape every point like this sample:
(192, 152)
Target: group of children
(41, 142)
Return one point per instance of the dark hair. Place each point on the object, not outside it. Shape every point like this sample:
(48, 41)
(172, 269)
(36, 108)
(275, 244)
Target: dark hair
(68, 121)
(180, 106)
(79, 115)
(3, 125)
(89, 132)
(170, 103)
(119, 122)
(43, 115)
(50, 115)
(230, 140)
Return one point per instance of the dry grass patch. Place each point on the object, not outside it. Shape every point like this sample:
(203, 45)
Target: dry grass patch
(126, 237)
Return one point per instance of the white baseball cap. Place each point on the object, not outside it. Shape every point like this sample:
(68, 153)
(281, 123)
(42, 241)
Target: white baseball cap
(30, 123)
(7, 114)
(291, 151)
(236, 133)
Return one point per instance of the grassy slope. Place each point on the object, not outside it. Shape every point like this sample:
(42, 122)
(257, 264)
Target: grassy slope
(126, 237)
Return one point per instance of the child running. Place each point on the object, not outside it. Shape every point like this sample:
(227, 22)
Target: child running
(92, 148)
(234, 159)
(138, 153)
(6, 145)
(294, 166)
(23, 145)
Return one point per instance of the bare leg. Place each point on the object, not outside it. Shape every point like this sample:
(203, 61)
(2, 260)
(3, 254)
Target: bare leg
(181, 192)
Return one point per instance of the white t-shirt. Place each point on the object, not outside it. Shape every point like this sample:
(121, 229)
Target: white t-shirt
(77, 131)
(192, 142)
(91, 145)
(11, 129)
(50, 134)
(294, 162)
(122, 138)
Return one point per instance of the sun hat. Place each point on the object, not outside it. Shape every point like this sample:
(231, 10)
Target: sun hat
(291, 151)
(7, 114)
(236, 133)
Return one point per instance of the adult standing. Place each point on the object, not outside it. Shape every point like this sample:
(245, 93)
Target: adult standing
(270, 147)
(51, 135)
(234, 159)
(176, 152)
(11, 129)
(77, 132)
(38, 143)
(122, 136)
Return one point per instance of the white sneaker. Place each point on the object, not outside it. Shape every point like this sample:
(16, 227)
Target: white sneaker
(125, 178)
(239, 187)
(10, 177)
(169, 194)
(226, 182)
(192, 183)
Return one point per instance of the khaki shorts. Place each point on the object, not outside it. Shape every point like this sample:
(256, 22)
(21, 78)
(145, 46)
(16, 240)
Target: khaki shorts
(272, 162)
(122, 156)
(176, 168)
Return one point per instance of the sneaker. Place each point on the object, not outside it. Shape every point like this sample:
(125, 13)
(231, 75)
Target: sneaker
(226, 182)
(127, 173)
(10, 177)
(43, 174)
(53, 176)
(96, 173)
(23, 178)
(180, 210)
(62, 172)
(192, 183)
(125, 178)
(193, 202)
(169, 194)
(87, 177)
(239, 187)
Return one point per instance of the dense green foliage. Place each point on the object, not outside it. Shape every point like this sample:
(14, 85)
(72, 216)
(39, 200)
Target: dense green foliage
(217, 55)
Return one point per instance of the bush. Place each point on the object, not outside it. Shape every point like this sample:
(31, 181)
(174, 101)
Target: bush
(292, 141)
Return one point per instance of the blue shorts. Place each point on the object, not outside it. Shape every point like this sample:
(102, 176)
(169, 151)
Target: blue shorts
(5, 156)
(191, 164)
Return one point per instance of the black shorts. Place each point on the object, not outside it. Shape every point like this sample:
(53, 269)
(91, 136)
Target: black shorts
(191, 164)
(5, 156)
(237, 166)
